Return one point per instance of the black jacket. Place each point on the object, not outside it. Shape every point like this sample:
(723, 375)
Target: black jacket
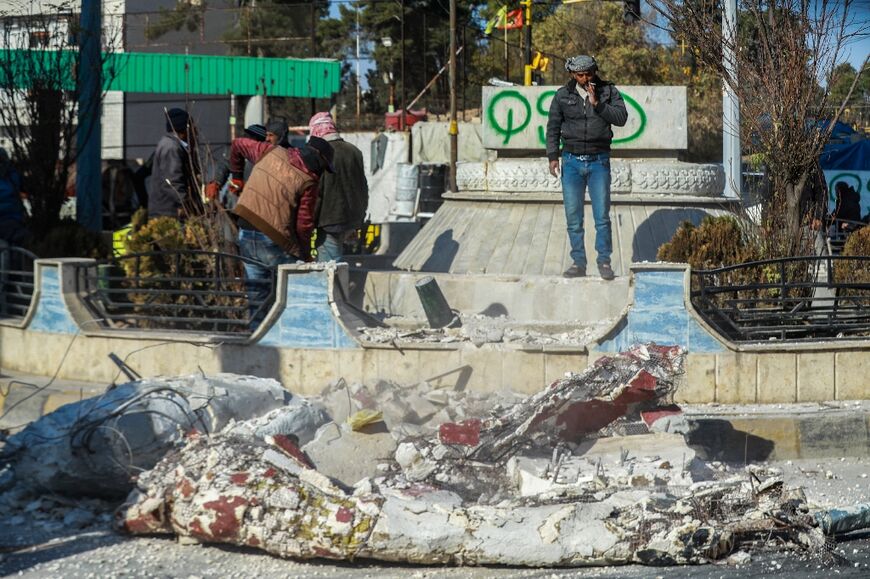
(585, 130)
(179, 197)
(344, 195)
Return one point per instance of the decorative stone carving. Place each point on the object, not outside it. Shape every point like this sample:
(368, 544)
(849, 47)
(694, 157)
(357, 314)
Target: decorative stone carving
(675, 178)
(620, 176)
(635, 177)
(471, 176)
(521, 175)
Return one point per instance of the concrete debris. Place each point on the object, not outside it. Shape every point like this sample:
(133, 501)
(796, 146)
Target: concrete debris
(410, 411)
(98, 445)
(300, 420)
(480, 329)
(220, 489)
(349, 455)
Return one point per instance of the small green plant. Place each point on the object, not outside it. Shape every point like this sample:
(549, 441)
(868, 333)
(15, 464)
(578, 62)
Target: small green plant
(174, 276)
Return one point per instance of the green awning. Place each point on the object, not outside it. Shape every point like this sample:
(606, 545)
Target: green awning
(181, 73)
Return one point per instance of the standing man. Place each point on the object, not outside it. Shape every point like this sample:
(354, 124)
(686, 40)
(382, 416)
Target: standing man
(344, 195)
(276, 206)
(174, 190)
(581, 115)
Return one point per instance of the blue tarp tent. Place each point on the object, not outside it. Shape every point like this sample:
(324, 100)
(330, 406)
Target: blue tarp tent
(849, 163)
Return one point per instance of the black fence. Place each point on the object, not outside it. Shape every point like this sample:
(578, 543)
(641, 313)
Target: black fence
(16, 282)
(181, 291)
(801, 298)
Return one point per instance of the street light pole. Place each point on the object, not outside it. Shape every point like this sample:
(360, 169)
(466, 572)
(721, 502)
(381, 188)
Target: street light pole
(527, 29)
(454, 128)
(404, 112)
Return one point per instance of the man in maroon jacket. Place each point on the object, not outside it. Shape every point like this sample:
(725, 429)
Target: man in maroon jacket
(276, 207)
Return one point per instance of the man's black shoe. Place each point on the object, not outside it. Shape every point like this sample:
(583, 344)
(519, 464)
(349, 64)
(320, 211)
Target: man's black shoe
(606, 271)
(575, 271)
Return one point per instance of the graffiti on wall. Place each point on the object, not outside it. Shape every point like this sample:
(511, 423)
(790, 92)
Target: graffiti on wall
(858, 180)
(516, 117)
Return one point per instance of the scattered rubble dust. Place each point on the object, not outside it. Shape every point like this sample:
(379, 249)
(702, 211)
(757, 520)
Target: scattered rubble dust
(479, 330)
(592, 470)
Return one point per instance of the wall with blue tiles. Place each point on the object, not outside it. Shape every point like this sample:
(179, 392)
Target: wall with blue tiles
(307, 320)
(51, 314)
(658, 314)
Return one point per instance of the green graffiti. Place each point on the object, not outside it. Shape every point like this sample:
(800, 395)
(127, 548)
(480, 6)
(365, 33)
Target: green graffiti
(542, 108)
(509, 130)
(844, 177)
(641, 115)
(542, 133)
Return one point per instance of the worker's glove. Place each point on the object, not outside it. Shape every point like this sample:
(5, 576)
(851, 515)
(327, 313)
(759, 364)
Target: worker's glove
(236, 185)
(212, 189)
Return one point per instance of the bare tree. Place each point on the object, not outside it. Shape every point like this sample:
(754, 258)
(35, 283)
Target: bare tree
(39, 67)
(783, 50)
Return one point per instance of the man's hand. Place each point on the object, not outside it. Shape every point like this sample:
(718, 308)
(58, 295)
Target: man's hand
(590, 90)
(554, 168)
(211, 190)
(236, 185)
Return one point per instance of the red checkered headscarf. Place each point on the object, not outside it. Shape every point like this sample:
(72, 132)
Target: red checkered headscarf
(321, 124)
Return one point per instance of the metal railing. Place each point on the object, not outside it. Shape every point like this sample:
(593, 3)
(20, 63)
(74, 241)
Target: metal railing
(795, 299)
(838, 233)
(16, 282)
(179, 290)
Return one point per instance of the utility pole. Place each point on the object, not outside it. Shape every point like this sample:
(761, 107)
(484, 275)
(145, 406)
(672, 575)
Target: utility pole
(313, 46)
(358, 90)
(89, 193)
(454, 128)
(402, 74)
(527, 29)
(731, 160)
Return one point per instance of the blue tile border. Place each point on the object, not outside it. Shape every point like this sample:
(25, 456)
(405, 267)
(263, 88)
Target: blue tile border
(51, 313)
(658, 314)
(308, 319)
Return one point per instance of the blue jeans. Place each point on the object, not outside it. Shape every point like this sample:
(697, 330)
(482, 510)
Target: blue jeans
(256, 245)
(331, 248)
(577, 174)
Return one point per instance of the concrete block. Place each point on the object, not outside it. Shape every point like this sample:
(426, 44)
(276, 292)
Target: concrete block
(401, 366)
(370, 370)
(699, 385)
(350, 365)
(524, 372)
(443, 369)
(815, 377)
(486, 368)
(777, 378)
(827, 436)
(290, 369)
(779, 435)
(736, 378)
(319, 368)
(555, 365)
(334, 444)
(662, 108)
(852, 371)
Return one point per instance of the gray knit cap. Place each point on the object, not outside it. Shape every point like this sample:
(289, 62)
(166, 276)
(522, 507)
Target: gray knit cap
(581, 63)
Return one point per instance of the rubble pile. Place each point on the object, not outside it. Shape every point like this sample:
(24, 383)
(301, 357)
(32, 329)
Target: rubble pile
(98, 445)
(481, 329)
(533, 485)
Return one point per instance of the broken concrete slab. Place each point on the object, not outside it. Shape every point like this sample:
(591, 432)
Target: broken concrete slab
(220, 489)
(98, 445)
(350, 456)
